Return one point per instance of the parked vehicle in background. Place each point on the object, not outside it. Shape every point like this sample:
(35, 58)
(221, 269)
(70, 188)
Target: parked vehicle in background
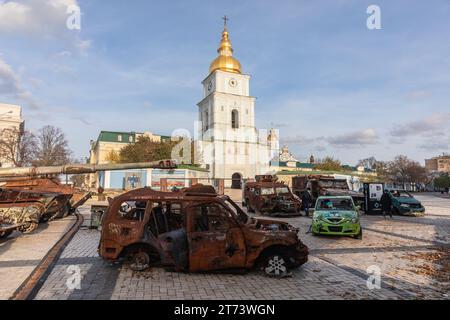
(320, 185)
(403, 203)
(268, 196)
(195, 229)
(336, 216)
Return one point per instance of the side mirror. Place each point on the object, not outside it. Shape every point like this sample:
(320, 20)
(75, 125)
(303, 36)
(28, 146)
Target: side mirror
(358, 208)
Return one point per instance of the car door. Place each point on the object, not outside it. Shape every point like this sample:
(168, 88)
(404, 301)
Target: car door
(124, 226)
(214, 237)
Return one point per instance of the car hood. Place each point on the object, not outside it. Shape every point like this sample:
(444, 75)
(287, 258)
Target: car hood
(407, 200)
(336, 214)
(272, 225)
(342, 192)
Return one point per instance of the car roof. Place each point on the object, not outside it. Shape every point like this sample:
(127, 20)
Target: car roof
(334, 197)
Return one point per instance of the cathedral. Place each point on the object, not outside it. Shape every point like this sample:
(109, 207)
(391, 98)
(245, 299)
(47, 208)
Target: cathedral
(232, 148)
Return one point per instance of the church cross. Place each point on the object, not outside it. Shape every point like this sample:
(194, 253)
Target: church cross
(225, 19)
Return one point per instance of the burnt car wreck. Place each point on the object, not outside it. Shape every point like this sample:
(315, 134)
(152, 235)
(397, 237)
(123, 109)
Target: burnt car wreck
(268, 196)
(320, 185)
(195, 230)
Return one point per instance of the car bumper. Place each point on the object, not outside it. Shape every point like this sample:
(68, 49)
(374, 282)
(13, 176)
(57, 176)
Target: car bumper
(346, 228)
(411, 211)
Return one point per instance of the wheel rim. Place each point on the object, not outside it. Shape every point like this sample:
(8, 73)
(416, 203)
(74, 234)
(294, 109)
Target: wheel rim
(276, 266)
(141, 261)
(28, 227)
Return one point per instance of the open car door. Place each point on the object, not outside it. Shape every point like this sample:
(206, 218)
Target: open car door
(214, 237)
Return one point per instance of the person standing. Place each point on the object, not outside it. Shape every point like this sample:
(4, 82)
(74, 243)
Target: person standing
(306, 201)
(386, 204)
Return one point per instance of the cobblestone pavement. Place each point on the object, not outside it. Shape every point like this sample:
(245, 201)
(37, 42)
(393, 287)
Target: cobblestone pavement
(410, 252)
(21, 253)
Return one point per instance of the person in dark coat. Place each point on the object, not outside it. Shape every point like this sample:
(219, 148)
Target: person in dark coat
(306, 201)
(386, 204)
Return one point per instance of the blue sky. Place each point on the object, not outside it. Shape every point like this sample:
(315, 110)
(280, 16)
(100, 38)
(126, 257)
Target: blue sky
(331, 86)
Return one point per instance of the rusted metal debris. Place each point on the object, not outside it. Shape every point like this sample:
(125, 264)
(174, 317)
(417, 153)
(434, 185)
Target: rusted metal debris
(268, 196)
(195, 229)
(7, 228)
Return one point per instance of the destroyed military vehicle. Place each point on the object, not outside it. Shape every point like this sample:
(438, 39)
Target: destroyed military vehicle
(268, 196)
(195, 229)
(320, 185)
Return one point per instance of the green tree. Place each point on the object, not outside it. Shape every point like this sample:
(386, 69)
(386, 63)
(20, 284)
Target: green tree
(146, 150)
(442, 182)
(329, 164)
(113, 156)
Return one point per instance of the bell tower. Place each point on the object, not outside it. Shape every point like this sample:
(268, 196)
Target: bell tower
(227, 116)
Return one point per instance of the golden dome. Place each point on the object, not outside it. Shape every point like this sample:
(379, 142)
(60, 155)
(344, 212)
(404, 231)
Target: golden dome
(225, 60)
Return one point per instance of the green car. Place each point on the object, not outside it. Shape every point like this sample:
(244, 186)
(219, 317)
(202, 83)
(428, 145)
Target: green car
(403, 203)
(336, 216)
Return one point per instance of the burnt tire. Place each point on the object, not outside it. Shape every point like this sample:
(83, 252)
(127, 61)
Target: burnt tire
(275, 264)
(140, 261)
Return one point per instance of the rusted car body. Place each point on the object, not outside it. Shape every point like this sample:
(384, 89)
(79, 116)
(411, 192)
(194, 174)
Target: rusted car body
(320, 185)
(268, 196)
(195, 230)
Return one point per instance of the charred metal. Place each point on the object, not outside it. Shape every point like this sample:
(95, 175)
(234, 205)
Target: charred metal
(195, 229)
(266, 195)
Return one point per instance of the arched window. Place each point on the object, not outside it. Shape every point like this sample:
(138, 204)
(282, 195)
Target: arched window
(234, 119)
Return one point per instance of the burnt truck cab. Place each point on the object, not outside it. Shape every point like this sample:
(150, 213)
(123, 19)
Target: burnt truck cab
(194, 230)
(320, 185)
(268, 196)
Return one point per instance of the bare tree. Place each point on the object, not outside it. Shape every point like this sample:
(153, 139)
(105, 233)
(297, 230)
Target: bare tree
(52, 147)
(17, 147)
(404, 170)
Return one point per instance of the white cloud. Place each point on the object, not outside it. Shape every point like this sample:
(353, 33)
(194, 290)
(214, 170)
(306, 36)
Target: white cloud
(40, 18)
(11, 86)
(355, 138)
(431, 126)
(434, 146)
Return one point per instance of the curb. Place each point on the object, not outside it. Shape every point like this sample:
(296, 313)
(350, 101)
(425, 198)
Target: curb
(31, 286)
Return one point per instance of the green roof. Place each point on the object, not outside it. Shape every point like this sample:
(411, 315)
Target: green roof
(303, 165)
(117, 136)
(122, 136)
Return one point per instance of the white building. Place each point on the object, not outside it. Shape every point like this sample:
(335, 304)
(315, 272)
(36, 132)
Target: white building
(10, 119)
(232, 148)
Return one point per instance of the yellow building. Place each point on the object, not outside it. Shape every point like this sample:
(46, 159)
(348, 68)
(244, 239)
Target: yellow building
(108, 145)
(438, 164)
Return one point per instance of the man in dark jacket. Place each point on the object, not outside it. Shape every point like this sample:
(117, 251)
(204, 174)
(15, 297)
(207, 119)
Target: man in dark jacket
(306, 201)
(386, 204)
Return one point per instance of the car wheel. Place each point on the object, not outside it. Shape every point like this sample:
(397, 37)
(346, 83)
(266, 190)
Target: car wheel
(140, 261)
(4, 234)
(359, 235)
(275, 265)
